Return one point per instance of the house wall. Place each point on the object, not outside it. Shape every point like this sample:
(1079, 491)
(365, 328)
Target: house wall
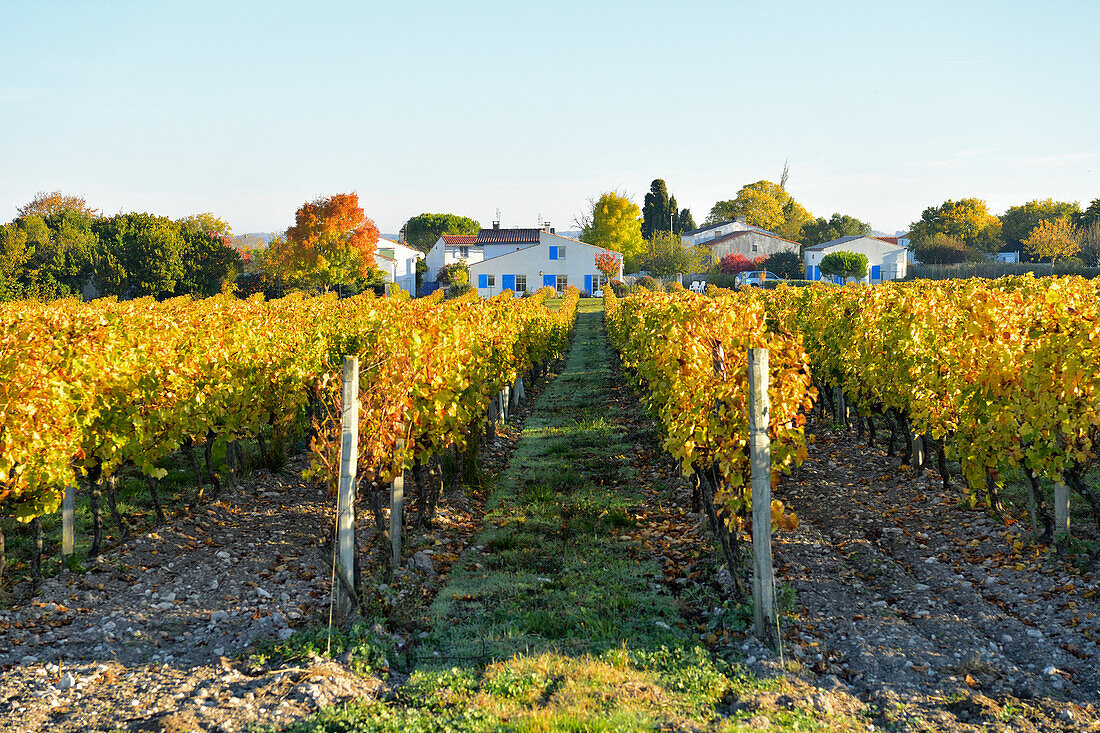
(890, 261)
(718, 231)
(535, 263)
(442, 254)
(751, 245)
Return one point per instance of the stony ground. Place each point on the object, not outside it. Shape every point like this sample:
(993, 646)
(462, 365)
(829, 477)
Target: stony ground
(904, 609)
(939, 615)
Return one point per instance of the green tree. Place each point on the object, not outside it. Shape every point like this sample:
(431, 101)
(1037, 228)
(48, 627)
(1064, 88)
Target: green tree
(1090, 215)
(686, 221)
(967, 220)
(786, 264)
(657, 209)
(665, 256)
(424, 230)
(837, 226)
(845, 264)
(138, 254)
(614, 224)
(766, 205)
(943, 249)
(210, 263)
(1018, 222)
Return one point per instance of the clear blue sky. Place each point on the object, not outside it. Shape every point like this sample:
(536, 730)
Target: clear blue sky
(248, 109)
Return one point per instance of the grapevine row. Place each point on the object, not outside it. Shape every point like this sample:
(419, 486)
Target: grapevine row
(688, 354)
(88, 387)
(1003, 376)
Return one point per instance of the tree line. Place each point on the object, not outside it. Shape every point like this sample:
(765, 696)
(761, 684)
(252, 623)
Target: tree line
(58, 247)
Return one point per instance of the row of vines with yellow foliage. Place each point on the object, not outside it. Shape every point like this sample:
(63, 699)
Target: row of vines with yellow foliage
(1002, 376)
(89, 387)
(689, 355)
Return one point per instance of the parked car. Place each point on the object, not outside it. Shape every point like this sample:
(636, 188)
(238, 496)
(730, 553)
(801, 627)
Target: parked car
(699, 286)
(756, 278)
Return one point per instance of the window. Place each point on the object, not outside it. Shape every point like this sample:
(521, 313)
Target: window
(557, 253)
(463, 252)
(521, 283)
(754, 248)
(490, 281)
(562, 283)
(598, 281)
(561, 253)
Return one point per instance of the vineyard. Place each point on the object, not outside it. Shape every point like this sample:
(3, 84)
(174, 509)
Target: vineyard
(588, 565)
(91, 388)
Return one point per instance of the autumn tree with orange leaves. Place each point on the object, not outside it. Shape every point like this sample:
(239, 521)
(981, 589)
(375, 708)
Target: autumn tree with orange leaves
(331, 245)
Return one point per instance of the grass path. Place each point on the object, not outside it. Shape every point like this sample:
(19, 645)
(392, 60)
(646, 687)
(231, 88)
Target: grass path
(550, 621)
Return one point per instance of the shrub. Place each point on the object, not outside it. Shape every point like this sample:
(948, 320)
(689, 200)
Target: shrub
(648, 283)
(619, 288)
(845, 264)
(736, 262)
(786, 264)
(673, 286)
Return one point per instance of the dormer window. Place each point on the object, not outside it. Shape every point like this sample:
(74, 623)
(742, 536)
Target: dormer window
(463, 252)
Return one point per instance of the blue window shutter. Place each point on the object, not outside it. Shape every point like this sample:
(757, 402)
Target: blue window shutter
(809, 272)
(508, 282)
(551, 280)
(876, 272)
(588, 283)
(553, 252)
(483, 281)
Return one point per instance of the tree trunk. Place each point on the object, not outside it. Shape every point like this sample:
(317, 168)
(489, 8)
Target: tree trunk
(95, 478)
(154, 492)
(112, 505)
(208, 454)
(36, 553)
(727, 539)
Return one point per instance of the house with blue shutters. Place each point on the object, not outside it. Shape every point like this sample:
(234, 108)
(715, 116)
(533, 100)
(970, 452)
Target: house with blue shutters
(527, 259)
(886, 260)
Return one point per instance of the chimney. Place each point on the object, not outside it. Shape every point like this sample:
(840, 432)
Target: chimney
(552, 230)
(496, 225)
(546, 227)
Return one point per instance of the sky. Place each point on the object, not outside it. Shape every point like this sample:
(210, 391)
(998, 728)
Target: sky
(249, 109)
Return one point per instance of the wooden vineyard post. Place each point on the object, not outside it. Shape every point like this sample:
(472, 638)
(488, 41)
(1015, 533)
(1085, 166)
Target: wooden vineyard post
(1061, 510)
(345, 501)
(68, 521)
(763, 595)
(397, 512)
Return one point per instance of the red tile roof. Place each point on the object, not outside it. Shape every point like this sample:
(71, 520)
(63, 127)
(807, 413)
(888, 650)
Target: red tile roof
(508, 236)
(460, 239)
(890, 240)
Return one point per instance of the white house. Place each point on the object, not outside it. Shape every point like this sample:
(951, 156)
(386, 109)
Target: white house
(451, 248)
(885, 260)
(398, 263)
(527, 259)
(751, 243)
(714, 231)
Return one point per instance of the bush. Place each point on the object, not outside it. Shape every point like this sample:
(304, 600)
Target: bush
(845, 264)
(786, 264)
(458, 290)
(585, 294)
(736, 262)
(648, 283)
(673, 286)
(619, 288)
